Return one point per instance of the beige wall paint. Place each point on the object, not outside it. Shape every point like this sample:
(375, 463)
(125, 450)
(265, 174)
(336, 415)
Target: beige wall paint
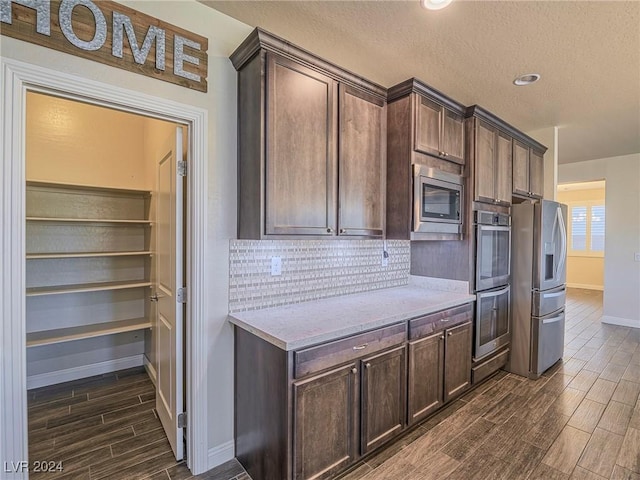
(224, 34)
(77, 143)
(622, 197)
(584, 272)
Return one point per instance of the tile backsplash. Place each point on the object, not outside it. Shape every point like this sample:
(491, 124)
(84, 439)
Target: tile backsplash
(311, 269)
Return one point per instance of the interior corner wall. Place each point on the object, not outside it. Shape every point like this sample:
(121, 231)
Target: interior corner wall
(549, 138)
(224, 34)
(622, 231)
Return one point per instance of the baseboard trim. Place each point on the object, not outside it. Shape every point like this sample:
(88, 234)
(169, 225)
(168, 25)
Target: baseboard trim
(586, 286)
(221, 454)
(60, 376)
(151, 371)
(623, 322)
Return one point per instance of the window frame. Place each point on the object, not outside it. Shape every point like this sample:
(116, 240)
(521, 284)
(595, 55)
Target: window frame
(589, 204)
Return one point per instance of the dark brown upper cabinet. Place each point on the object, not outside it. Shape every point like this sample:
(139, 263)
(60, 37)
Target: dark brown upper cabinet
(492, 157)
(362, 166)
(311, 145)
(501, 159)
(424, 127)
(528, 171)
(438, 131)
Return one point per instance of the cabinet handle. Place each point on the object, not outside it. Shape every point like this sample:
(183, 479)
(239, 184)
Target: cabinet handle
(361, 347)
(154, 297)
(367, 365)
(450, 333)
(354, 370)
(329, 230)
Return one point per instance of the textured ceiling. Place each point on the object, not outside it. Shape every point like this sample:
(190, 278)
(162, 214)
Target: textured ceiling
(588, 54)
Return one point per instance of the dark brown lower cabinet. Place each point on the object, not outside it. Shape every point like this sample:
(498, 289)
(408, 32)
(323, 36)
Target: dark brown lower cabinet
(325, 438)
(439, 369)
(313, 412)
(384, 384)
(426, 376)
(457, 360)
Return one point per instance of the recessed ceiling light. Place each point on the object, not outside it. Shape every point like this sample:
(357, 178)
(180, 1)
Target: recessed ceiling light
(434, 4)
(526, 79)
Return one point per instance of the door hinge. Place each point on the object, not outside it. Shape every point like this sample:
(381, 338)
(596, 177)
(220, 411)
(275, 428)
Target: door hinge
(182, 420)
(182, 168)
(182, 295)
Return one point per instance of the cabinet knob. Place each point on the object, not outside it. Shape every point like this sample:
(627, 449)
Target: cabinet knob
(329, 230)
(343, 230)
(154, 297)
(450, 333)
(367, 365)
(441, 337)
(354, 370)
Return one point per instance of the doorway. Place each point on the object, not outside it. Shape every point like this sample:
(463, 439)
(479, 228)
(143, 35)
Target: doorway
(18, 79)
(104, 263)
(586, 233)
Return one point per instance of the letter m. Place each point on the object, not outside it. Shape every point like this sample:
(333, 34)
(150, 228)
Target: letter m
(121, 23)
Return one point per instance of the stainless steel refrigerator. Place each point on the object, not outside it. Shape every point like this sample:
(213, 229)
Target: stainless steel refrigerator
(538, 293)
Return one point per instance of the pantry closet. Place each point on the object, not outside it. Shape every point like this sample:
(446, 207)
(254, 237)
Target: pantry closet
(92, 225)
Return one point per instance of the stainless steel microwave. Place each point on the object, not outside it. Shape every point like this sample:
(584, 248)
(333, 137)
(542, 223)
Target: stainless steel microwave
(437, 204)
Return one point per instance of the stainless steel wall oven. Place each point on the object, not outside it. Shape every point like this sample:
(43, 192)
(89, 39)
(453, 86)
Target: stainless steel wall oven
(493, 273)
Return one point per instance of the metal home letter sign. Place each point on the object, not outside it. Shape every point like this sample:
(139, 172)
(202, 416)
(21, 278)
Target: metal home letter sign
(110, 33)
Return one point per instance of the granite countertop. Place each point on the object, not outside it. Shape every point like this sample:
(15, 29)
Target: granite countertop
(300, 325)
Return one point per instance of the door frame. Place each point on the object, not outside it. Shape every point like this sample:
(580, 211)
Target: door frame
(18, 78)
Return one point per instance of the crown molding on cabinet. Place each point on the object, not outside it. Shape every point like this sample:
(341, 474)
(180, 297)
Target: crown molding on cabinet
(261, 39)
(413, 85)
(487, 116)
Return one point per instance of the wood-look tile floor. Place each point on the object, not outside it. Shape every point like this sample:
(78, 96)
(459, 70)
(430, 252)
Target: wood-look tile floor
(580, 420)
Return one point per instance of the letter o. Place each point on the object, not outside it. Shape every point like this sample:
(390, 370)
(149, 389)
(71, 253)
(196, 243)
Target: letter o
(64, 16)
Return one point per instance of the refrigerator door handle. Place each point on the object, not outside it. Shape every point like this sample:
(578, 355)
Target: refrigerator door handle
(563, 241)
(553, 319)
(553, 295)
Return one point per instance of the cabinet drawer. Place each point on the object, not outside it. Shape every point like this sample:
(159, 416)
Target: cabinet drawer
(482, 371)
(315, 359)
(436, 322)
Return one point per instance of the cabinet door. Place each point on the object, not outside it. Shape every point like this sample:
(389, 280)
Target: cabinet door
(536, 174)
(457, 360)
(301, 150)
(504, 169)
(428, 121)
(484, 162)
(325, 423)
(362, 165)
(453, 136)
(520, 168)
(426, 365)
(384, 384)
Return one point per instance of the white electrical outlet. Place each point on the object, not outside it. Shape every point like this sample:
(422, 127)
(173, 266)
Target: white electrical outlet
(276, 266)
(637, 257)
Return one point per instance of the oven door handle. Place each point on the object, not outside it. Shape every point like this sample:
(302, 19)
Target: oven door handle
(494, 228)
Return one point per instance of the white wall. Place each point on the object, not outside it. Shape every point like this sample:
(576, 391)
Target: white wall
(621, 272)
(224, 34)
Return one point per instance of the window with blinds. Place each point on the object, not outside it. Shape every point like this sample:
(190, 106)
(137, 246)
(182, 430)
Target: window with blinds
(587, 229)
